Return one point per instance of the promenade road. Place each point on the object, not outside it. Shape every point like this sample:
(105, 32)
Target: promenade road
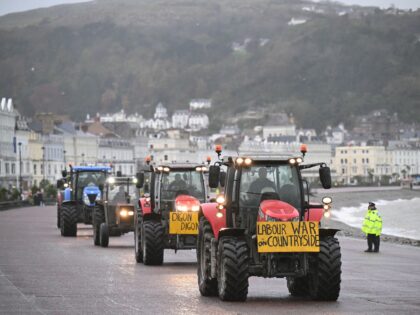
(44, 273)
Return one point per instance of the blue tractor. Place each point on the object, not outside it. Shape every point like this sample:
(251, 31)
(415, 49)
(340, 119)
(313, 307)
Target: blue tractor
(80, 198)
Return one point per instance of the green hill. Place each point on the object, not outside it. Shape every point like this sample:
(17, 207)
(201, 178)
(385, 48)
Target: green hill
(104, 55)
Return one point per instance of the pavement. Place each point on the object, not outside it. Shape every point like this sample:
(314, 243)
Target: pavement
(44, 273)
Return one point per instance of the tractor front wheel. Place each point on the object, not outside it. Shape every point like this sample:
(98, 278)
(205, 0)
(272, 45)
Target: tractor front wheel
(207, 285)
(233, 269)
(326, 276)
(58, 217)
(68, 222)
(137, 243)
(152, 242)
(104, 235)
(98, 219)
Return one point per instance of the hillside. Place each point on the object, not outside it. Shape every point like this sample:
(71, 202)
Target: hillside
(104, 55)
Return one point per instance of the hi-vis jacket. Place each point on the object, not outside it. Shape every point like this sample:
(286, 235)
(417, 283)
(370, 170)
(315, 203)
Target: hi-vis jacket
(372, 224)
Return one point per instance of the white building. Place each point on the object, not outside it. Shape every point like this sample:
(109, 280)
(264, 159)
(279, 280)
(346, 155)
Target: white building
(279, 125)
(161, 112)
(201, 103)
(198, 121)
(53, 160)
(119, 153)
(8, 165)
(180, 119)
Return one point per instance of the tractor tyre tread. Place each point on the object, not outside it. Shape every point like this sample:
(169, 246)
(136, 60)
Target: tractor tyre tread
(154, 243)
(207, 287)
(68, 224)
(328, 271)
(98, 219)
(234, 259)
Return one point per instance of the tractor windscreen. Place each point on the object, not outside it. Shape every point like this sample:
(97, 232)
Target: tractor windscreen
(122, 192)
(264, 182)
(182, 182)
(89, 178)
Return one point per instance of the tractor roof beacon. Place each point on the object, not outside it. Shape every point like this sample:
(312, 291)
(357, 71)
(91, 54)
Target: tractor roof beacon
(115, 212)
(169, 208)
(264, 225)
(82, 189)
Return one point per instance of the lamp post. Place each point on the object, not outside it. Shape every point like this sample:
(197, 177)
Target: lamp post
(20, 167)
(43, 163)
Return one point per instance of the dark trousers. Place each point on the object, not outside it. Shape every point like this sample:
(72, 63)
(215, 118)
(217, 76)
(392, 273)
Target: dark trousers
(374, 240)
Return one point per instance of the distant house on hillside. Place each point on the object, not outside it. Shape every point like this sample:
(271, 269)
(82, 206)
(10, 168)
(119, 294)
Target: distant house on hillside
(294, 22)
(279, 125)
(201, 103)
(180, 119)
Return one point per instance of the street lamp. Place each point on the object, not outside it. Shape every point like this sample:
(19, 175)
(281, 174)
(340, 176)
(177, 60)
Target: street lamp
(43, 163)
(20, 167)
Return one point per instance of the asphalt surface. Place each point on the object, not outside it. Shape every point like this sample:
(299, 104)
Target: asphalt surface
(44, 273)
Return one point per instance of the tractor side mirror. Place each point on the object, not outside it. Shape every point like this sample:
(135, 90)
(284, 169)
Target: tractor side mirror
(140, 180)
(222, 179)
(325, 176)
(101, 187)
(214, 176)
(60, 184)
(64, 173)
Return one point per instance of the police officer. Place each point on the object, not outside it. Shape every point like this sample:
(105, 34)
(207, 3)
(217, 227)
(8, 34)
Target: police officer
(372, 227)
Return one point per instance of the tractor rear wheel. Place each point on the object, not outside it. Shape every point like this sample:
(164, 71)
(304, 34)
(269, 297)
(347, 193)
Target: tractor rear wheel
(137, 242)
(207, 285)
(298, 286)
(98, 219)
(326, 278)
(152, 242)
(104, 235)
(68, 223)
(58, 217)
(233, 269)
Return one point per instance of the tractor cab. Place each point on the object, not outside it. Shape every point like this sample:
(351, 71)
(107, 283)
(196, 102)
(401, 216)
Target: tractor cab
(116, 211)
(83, 189)
(168, 216)
(265, 225)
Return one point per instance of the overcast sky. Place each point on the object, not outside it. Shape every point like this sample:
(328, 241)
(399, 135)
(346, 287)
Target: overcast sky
(9, 6)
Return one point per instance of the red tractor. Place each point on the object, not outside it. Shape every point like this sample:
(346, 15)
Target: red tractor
(169, 209)
(264, 225)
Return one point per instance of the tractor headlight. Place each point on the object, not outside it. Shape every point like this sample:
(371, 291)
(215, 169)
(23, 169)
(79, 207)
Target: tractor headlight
(181, 208)
(123, 213)
(220, 199)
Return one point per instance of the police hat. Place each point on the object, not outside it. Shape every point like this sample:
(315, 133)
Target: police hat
(371, 204)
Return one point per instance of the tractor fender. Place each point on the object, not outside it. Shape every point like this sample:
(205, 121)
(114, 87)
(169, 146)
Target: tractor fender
(209, 211)
(67, 194)
(314, 214)
(145, 205)
(327, 232)
(231, 232)
(69, 203)
(151, 217)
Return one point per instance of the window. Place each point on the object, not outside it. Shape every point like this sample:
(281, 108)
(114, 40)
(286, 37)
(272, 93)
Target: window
(49, 169)
(7, 167)
(28, 167)
(343, 171)
(363, 160)
(35, 169)
(354, 161)
(345, 161)
(13, 168)
(367, 160)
